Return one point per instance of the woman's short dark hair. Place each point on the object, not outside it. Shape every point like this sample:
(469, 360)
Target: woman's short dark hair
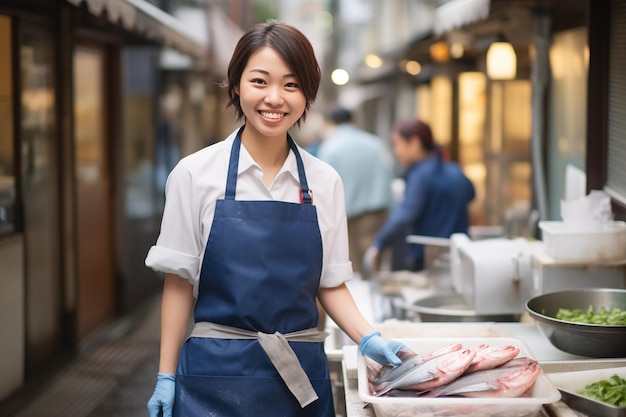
(289, 43)
(408, 128)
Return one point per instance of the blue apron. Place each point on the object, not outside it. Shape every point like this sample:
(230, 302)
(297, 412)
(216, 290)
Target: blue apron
(261, 272)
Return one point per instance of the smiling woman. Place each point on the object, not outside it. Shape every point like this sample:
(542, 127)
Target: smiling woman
(249, 242)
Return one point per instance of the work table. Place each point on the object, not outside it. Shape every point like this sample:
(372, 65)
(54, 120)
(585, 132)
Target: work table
(550, 358)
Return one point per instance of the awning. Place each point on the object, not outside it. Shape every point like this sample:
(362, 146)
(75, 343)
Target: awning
(149, 21)
(455, 14)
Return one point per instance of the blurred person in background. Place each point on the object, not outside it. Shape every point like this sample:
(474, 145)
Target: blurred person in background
(436, 197)
(253, 231)
(311, 132)
(366, 168)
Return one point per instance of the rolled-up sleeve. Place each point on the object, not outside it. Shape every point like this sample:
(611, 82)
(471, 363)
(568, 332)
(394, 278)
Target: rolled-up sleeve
(173, 262)
(179, 246)
(334, 227)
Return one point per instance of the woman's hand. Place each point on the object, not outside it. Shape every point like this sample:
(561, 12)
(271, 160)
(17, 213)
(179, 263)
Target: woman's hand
(163, 397)
(381, 349)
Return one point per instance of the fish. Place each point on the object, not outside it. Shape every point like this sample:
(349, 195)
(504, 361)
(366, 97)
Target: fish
(488, 357)
(390, 373)
(504, 381)
(521, 361)
(431, 373)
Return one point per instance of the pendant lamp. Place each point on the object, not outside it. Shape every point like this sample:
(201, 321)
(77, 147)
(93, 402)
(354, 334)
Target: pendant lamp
(501, 61)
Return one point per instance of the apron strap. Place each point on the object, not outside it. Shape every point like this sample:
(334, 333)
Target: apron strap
(305, 192)
(277, 348)
(233, 167)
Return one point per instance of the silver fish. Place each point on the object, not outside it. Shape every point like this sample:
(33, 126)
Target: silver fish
(503, 381)
(390, 373)
(432, 373)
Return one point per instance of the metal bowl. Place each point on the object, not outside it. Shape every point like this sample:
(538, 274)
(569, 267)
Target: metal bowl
(453, 308)
(593, 340)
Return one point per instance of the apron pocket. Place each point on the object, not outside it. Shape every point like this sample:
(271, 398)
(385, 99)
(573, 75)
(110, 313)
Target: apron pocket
(245, 396)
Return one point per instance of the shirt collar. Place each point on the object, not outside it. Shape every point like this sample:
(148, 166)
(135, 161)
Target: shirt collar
(246, 161)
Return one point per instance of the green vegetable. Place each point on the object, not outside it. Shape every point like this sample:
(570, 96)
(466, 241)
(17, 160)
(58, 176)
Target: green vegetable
(610, 391)
(611, 317)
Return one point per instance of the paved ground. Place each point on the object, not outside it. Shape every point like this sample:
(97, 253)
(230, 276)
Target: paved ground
(112, 377)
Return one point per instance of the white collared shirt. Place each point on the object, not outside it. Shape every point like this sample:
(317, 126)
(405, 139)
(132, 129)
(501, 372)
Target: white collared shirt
(199, 180)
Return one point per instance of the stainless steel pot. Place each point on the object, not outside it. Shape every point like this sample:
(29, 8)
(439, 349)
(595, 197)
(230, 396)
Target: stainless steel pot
(453, 308)
(593, 340)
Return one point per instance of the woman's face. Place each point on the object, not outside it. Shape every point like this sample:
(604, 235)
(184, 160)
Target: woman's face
(269, 94)
(407, 152)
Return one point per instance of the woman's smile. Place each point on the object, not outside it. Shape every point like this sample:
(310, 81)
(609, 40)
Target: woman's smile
(272, 115)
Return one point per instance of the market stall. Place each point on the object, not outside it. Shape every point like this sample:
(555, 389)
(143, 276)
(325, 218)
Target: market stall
(496, 285)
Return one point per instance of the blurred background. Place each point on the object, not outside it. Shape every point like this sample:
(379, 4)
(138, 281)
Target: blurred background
(100, 98)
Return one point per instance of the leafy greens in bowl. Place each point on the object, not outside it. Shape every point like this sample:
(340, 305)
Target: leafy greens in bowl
(604, 316)
(596, 340)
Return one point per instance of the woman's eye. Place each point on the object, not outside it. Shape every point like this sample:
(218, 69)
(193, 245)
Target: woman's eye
(258, 81)
(292, 85)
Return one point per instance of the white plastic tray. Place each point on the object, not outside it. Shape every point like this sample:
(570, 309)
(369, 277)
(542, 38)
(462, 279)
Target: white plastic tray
(544, 392)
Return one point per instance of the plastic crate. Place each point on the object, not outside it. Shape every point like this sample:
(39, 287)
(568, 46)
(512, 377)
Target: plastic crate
(563, 243)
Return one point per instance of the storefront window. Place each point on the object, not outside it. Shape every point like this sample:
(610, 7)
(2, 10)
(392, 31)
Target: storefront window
(139, 130)
(40, 194)
(616, 169)
(568, 106)
(472, 119)
(509, 177)
(89, 102)
(7, 154)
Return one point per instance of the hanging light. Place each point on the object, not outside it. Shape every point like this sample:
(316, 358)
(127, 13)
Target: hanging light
(501, 61)
(439, 51)
(373, 61)
(412, 67)
(340, 76)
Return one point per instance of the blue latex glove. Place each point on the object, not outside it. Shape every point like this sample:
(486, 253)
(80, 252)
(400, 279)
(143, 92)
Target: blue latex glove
(163, 397)
(381, 349)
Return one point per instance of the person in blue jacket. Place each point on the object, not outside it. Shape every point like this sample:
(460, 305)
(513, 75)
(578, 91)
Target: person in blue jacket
(253, 232)
(436, 197)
